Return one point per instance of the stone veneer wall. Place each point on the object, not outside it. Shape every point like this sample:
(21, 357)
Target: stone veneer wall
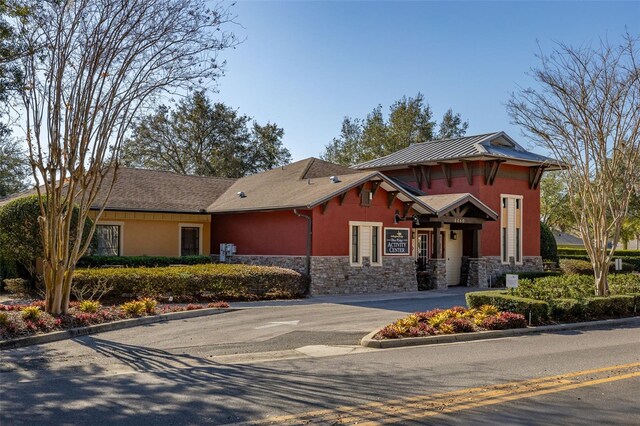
(495, 268)
(477, 272)
(334, 275)
(438, 269)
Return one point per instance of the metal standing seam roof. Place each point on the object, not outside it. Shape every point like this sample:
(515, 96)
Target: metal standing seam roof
(496, 145)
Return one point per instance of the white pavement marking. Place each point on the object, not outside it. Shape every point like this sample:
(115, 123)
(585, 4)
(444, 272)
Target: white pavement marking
(278, 323)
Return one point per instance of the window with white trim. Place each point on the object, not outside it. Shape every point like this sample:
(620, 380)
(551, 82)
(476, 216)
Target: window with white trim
(364, 241)
(107, 240)
(511, 228)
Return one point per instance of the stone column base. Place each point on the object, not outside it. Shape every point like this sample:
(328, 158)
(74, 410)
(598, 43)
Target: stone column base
(438, 269)
(477, 273)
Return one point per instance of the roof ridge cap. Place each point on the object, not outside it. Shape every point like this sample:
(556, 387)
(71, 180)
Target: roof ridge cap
(306, 168)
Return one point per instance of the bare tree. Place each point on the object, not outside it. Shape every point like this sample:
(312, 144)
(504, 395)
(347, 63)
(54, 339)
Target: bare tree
(586, 111)
(93, 64)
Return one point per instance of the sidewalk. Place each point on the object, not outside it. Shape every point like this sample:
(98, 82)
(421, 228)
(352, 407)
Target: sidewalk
(360, 298)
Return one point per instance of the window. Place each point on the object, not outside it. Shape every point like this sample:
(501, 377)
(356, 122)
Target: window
(374, 245)
(355, 254)
(365, 198)
(107, 240)
(190, 239)
(364, 241)
(505, 248)
(511, 228)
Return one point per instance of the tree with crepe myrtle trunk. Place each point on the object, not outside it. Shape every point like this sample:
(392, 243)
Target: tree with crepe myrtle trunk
(91, 66)
(586, 111)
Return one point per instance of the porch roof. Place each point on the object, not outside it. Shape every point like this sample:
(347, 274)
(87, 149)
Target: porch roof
(444, 204)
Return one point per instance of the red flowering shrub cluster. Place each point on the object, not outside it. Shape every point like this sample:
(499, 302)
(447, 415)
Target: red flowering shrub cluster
(451, 321)
(23, 320)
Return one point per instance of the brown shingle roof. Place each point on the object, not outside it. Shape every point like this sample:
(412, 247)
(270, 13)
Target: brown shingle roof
(299, 184)
(159, 191)
(155, 191)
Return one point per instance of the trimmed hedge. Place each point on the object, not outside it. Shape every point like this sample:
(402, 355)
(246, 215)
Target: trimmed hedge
(574, 286)
(583, 252)
(140, 261)
(505, 302)
(571, 264)
(631, 257)
(501, 282)
(214, 281)
(559, 310)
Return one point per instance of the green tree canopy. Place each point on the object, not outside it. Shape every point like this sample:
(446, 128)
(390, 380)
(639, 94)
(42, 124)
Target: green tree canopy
(410, 120)
(14, 168)
(20, 236)
(204, 138)
(555, 208)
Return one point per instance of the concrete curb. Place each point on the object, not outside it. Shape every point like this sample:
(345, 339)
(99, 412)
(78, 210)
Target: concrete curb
(369, 342)
(110, 326)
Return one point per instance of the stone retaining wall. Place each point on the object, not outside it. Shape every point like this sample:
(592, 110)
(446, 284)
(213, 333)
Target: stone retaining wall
(334, 275)
(495, 268)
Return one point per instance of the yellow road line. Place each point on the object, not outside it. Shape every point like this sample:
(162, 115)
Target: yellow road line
(506, 398)
(420, 406)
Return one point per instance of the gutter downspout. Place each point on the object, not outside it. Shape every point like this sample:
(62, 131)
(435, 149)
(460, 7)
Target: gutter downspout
(307, 265)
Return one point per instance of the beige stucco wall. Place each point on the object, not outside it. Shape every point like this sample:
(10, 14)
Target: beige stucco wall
(156, 234)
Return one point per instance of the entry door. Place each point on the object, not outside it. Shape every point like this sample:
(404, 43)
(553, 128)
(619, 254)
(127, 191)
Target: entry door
(423, 248)
(454, 257)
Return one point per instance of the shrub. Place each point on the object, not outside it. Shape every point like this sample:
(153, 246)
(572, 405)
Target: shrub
(140, 261)
(89, 306)
(149, 305)
(459, 325)
(4, 319)
(219, 305)
(92, 290)
(218, 281)
(624, 283)
(193, 307)
(504, 321)
(574, 286)
(501, 282)
(547, 288)
(20, 238)
(31, 313)
(616, 306)
(576, 266)
(629, 263)
(133, 308)
(548, 246)
(17, 286)
(506, 302)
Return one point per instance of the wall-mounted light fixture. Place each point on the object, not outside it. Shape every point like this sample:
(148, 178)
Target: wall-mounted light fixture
(453, 235)
(397, 218)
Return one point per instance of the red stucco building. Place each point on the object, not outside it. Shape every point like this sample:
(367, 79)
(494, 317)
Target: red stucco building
(466, 210)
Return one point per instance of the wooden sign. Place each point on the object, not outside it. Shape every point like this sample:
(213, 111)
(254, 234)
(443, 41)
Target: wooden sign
(396, 241)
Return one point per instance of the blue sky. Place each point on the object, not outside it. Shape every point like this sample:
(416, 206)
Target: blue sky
(305, 65)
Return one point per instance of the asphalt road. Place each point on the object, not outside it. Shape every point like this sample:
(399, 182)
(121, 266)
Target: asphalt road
(298, 364)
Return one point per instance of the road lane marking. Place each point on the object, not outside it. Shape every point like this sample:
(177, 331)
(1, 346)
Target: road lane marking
(428, 405)
(278, 323)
